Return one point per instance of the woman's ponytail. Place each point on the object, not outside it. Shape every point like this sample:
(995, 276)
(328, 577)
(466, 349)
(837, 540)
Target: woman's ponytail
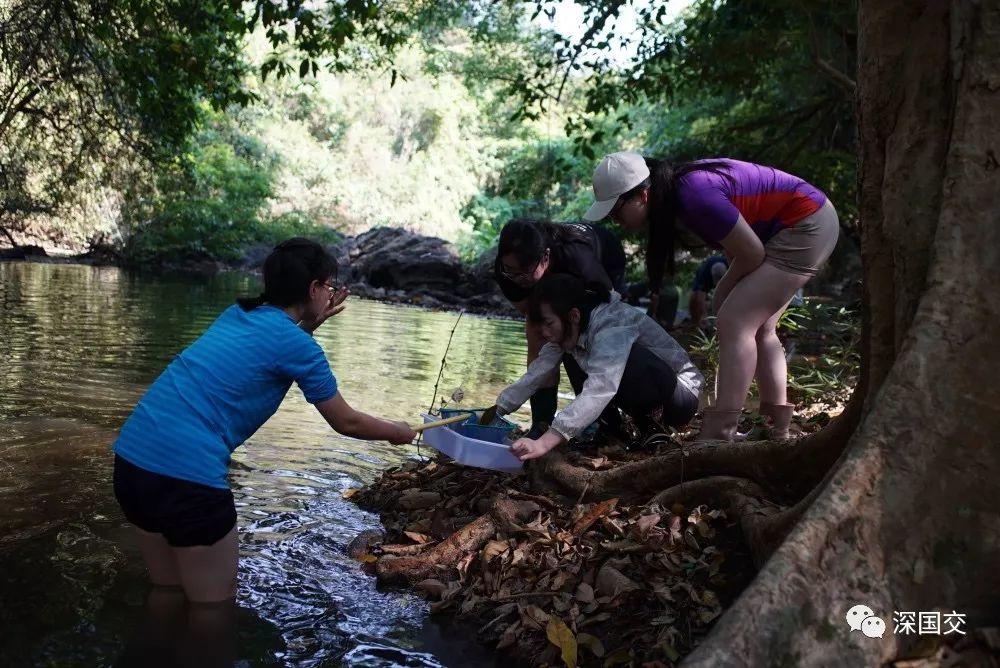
(250, 303)
(289, 270)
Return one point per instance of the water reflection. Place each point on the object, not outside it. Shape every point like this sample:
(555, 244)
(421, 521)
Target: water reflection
(78, 346)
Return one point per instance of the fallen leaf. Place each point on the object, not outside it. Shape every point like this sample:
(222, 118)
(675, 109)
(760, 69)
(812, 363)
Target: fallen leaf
(559, 581)
(494, 548)
(597, 512)
(595, 462)
(618, 657)
(600, 617)
(585, 593)
(612, 582)
(534, 615)
(691, 541)
(562, 603)
(417, 500)
(560, 635)
(707, 616)
(509, 637)
(671, 653)
(647, 522)
(348, 493)
(367, 558)
(592, 643)
(675, 527)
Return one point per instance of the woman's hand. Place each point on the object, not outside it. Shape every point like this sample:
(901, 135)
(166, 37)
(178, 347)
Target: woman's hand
(333, 307)
(404, 434)
(531, 448)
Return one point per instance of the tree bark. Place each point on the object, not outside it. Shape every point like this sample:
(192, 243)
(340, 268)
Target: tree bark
(907, 520)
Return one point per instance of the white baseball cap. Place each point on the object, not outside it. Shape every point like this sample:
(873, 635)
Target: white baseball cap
(616, 175)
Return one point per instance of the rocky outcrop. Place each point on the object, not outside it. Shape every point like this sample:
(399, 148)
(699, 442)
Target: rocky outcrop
(397, 265)
(27, 252)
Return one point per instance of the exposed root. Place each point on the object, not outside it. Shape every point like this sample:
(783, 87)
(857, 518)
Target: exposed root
(764, 524)
(448, 553)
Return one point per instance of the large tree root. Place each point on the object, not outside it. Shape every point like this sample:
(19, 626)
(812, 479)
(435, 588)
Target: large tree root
(742, 500)
(786, 469)
(740, 478)
(446, 554)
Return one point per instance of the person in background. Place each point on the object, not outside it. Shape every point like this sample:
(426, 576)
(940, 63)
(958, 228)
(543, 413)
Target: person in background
(529, 250)
(777, 230)
(172, 454)
(707, 276)
(616, 358)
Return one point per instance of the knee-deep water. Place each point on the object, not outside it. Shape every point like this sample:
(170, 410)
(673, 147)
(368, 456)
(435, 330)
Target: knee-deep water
(79, 345)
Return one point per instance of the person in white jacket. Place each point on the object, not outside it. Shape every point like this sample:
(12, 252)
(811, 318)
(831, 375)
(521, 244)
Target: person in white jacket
(619, 358)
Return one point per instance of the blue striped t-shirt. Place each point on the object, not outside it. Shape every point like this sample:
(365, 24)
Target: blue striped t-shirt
(219, 391)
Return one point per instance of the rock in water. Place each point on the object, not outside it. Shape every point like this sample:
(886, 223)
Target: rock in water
(363, 542)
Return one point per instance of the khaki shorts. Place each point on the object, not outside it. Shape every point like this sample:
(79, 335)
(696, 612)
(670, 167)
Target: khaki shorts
(804, 248)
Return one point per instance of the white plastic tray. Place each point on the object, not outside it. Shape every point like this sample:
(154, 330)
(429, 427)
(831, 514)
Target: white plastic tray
(471, 451)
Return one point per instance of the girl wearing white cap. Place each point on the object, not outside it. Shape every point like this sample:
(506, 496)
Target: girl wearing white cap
(777, 231)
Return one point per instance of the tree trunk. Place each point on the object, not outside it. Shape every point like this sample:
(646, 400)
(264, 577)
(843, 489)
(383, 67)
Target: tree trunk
(907, 521)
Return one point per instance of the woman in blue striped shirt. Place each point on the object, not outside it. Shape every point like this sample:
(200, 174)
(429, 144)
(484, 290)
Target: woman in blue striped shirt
(172, 455)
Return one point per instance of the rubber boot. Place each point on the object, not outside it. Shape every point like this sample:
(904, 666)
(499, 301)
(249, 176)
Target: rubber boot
(780, 418)
(719, 425)
(543, 410)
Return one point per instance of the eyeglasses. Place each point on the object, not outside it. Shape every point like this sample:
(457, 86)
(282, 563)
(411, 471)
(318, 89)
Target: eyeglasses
(519, 274)
(332, 287)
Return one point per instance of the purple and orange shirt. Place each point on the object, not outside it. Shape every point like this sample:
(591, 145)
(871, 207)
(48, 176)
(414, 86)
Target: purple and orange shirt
(769, 199)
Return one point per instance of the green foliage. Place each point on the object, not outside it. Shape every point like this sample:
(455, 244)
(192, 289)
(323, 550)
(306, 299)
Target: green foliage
(828, 339)
(822, 339)
(760, 80)
(212, 202)
(485, 216)
(448, 118)
(110, 82)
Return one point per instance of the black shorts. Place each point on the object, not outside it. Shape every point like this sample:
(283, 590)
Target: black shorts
(186, 513)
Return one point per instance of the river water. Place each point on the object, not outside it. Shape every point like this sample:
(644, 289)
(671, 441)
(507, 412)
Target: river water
(79, 345)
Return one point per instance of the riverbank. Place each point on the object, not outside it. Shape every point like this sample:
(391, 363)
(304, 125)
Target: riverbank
(543, 576)
(385, 264)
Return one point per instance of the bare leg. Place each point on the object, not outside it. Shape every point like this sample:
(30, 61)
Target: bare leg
(772, 369)
(153, 642)
(210, 636)
(159, 558)
(758, 297)
(208, 573)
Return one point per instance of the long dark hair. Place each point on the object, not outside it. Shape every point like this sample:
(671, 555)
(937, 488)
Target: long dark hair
(662, 228)
(527, 239)
(289, 271)
(563, 293)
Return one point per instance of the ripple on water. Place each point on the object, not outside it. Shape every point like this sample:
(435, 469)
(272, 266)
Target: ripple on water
(78, 347)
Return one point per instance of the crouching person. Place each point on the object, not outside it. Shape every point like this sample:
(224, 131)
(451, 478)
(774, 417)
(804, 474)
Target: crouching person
(617, 358)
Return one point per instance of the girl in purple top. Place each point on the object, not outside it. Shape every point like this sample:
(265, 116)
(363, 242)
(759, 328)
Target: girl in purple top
(776, 229)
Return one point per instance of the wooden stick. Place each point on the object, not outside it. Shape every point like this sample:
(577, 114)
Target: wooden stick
(440, 423)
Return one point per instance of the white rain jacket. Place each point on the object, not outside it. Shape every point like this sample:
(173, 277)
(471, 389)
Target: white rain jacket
(602, 351)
